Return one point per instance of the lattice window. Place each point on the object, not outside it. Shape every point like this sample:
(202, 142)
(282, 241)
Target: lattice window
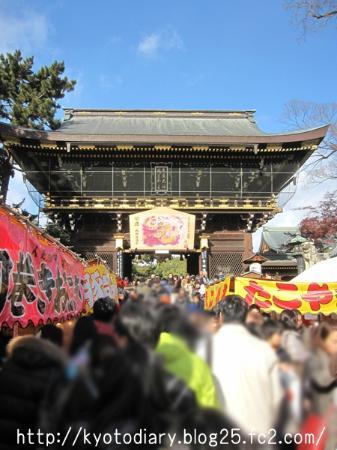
(226, 263)
(109, 257)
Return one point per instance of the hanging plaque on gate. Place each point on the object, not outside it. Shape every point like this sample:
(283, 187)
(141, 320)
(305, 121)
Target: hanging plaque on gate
(162, 229)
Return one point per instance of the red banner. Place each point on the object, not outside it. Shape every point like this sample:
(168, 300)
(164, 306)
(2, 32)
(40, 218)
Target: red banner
(39, 278)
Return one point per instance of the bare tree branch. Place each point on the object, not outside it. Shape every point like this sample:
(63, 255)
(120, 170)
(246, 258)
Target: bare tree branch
(310, 14)
(322, 165)
(325, 15)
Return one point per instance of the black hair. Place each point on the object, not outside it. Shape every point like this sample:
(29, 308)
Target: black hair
(233, 308)
(104, 309)
(269, 328)
(288, 318)
(173, 320)
(283, 355)
(138, 323)
(254, 307)
(325, 330)
(84, 331)
(52, 333)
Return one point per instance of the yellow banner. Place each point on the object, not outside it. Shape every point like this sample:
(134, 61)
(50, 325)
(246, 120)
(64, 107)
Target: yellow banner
(216, 293)
(277, 296)
(99, 282)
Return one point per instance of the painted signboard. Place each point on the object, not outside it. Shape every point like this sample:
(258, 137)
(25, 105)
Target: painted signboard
(162, 229)
(99, 282)
(40, 279)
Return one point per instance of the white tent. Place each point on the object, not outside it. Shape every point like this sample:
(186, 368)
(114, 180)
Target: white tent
(322, 272)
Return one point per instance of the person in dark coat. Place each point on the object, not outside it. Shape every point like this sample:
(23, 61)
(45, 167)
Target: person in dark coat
(30, 367)
(52, 333)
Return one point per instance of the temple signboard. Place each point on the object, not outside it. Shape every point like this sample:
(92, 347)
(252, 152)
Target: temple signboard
(162, 229)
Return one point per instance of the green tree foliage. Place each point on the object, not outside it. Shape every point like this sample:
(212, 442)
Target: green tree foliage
(174, 266)
(30, 98)
(162, 268)
(57, 232)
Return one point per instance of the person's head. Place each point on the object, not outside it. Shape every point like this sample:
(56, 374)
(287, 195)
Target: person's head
(52, 333)
(137, 323)
(290, 319)
(123, 296)
(328, 338)
(30, 351)
(133, 295)
(254, 316)
(164, 297)
(104, 309)
(173, 320)
(196, 297)
(84, 331)
(271, 331)
(181, 294)
(233, 308)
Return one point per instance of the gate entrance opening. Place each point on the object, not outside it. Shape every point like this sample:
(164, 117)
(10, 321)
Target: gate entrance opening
(138, 266)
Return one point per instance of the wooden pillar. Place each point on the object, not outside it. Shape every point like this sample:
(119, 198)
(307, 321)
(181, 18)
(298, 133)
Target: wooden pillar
(119, 244)
(204, 253)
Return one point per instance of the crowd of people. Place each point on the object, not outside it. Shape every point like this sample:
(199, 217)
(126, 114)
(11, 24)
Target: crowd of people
(157, 361)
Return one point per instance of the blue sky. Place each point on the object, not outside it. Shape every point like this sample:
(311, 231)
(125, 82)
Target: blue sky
(216, 54)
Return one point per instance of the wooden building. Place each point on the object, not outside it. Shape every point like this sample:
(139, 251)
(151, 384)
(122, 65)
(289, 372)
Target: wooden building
(101, 166)
(280, 263)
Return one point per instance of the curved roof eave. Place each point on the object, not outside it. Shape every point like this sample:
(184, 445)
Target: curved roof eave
(8, 132)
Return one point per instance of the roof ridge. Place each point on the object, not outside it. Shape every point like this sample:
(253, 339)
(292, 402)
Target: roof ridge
(150, 110)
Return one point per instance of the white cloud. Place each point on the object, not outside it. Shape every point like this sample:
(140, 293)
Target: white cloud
(27, 32)
(152, 44)
(149, 45)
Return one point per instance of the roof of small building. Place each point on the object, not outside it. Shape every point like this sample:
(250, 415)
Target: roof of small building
(280, 263)
(255, 258)
(276, 238)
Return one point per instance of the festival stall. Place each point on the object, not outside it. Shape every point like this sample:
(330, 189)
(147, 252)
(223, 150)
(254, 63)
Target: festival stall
(41, 280)
(99, 282)
(269, 295)
(324, 271)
